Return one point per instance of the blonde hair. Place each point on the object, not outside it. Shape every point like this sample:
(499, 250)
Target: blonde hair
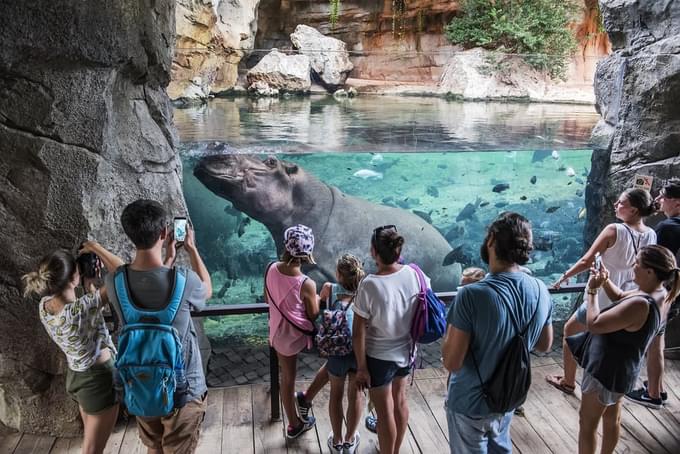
(350, 272)
(54, 273)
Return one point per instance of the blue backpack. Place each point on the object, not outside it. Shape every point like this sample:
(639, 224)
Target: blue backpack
(429, 321)
(150, 360)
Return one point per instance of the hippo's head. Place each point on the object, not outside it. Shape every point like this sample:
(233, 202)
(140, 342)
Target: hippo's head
(262, 189)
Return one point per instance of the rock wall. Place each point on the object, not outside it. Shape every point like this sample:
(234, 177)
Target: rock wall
(85, 128)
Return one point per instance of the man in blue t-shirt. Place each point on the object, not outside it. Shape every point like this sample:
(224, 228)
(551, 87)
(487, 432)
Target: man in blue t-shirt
(652, 395)
(480, 323)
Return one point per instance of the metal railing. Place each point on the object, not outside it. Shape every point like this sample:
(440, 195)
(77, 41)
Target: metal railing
(222, 310)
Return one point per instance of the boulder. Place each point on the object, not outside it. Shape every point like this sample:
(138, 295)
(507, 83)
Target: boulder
(261, 88)
(328, 56)
(85, 128)
(287, 73)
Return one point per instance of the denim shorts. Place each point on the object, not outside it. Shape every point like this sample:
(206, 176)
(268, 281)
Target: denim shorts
(339, 366)
(479, 435)
(383, 372)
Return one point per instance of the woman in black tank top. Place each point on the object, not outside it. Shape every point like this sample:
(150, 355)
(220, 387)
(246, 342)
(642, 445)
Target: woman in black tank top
(612, 350)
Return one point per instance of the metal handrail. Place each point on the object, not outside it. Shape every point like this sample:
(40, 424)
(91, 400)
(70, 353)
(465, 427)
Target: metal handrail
(219, 310)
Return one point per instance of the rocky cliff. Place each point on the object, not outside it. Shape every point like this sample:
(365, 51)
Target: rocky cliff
(391, 43)
(85, 128)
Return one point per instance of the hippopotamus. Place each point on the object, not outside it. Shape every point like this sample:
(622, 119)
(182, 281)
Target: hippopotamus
(279, 194)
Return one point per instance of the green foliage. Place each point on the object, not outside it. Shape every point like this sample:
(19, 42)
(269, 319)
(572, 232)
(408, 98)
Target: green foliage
(536, 29)
(334, 12)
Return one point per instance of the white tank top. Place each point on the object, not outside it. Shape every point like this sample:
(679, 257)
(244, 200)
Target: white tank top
(620, 258)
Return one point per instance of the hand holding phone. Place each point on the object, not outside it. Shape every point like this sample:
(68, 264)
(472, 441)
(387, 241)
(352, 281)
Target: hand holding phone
(598, 262)
(180, 229)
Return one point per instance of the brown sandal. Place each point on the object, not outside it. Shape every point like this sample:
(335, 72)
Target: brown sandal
(557, 382)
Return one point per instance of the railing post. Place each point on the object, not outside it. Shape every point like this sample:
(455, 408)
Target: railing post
(274, 387)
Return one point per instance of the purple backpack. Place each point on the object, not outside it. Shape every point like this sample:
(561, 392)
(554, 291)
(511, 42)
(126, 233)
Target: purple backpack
(429, 321)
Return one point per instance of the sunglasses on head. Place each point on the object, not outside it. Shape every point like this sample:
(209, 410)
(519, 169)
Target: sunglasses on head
(377, 230)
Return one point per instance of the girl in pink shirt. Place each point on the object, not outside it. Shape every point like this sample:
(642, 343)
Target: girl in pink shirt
(293, 304)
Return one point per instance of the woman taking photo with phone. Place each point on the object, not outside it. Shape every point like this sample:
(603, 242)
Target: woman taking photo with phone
(612, 351)
(384, 308)
(618, 245)
(77, 326)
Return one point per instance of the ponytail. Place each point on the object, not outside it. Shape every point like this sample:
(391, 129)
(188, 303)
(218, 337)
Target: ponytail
(665, 268)
(350, 272)
(673, 286)
(54, 273)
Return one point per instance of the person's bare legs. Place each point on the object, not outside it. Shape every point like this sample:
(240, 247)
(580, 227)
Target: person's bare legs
(611, 427)
(317, 384)
(384, 408)
(568, 380)
(400, 410)
(335, 407)
(589, 417)
(354, 408)
(97, 429)
(288, 369)
(655, 367)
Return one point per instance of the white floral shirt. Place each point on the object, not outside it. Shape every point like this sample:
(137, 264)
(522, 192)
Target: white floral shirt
(79, 330)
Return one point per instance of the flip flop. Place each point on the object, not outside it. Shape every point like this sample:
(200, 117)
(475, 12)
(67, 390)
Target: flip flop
(556, 381)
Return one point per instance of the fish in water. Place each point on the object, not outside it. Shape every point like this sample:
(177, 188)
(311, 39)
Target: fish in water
(224, 288)
(426, 216)
(367, 174)
(579, 193)
(467, 212)
(500, 204)
(561, 168)
(523, 197)
(582, 213)
(433, 191)
(442, 166)
(500, 187)
(578, 180)
(542, 244)
(555, 154)
(569, 183)
(551, 209)
(404, 178)
(483, 204)
(533, 179)
(457, 255)
(454, 232)
(242, 226)
(539, 155)
(377, 159)
(570, 172)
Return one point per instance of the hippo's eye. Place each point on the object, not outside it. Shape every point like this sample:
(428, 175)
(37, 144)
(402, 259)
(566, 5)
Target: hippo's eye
(270, 161)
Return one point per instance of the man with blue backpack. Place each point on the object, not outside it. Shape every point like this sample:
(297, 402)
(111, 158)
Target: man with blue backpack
(159, 363)
(493, 325)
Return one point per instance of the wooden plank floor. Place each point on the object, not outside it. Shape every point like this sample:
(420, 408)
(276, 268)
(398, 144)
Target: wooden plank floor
(238, 421)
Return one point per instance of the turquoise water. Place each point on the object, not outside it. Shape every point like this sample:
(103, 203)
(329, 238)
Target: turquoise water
(447, 181)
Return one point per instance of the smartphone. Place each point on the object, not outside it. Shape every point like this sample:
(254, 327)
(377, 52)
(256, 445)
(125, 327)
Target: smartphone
(180, 229)
(598, 261)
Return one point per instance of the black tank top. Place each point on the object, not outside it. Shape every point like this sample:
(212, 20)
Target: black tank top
(615, 358)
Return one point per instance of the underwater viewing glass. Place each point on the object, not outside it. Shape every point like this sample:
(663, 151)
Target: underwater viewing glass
(440, 170)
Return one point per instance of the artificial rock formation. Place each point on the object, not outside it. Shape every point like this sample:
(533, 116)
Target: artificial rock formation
(328, 56)
(637, 89)
(85, 128)
(285, 73)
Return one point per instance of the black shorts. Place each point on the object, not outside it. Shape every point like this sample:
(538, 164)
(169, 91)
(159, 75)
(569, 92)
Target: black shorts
(383, 372)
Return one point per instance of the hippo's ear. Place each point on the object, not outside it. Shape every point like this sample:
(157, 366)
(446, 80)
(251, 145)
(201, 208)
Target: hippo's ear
(290, 168)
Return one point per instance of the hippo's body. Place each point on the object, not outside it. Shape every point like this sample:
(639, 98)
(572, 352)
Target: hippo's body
(280, 194)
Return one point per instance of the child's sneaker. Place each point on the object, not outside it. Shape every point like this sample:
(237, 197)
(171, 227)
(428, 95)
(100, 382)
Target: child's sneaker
(372, 423)
(335, 448)
(302, 406)
(294, 432)
(351, 448)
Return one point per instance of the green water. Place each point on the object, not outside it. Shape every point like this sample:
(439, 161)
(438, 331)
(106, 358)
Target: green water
(430, 155)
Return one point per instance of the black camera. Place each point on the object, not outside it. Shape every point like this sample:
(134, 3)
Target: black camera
(88, 265)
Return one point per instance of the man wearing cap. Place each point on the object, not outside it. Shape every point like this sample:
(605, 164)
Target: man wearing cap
(652, 395)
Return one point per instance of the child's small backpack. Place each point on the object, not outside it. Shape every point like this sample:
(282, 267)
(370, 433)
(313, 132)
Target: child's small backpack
(150, 362)
(335, 335)
(429, 321)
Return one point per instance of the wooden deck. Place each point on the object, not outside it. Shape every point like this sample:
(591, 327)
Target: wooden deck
(238, 422)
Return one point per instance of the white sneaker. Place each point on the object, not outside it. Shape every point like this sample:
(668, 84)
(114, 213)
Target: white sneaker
(334, 449)
(351, 448)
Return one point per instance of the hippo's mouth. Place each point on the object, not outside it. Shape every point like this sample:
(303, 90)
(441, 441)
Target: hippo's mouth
(230, 172)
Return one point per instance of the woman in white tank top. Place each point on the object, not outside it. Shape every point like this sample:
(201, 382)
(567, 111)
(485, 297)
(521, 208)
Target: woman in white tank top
(618, 245)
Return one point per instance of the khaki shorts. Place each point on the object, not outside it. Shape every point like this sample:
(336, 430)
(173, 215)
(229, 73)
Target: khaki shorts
(176, 433)
(93, 388)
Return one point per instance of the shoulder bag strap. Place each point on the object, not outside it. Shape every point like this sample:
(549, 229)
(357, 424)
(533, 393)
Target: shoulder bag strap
(273, 303)
(632, 238)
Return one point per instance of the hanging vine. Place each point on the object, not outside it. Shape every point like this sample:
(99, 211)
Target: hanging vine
(333, 12)
(398, 10)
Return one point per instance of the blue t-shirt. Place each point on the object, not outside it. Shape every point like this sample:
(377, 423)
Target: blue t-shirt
(479, 310)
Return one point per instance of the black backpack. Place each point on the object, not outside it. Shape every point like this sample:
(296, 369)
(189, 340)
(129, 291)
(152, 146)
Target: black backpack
(508, 386)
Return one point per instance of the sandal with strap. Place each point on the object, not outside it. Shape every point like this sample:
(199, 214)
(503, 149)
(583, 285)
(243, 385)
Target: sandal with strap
(557, 382)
